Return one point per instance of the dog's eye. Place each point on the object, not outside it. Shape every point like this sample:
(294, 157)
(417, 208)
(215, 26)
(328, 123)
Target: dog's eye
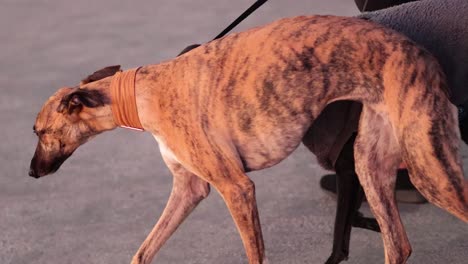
(39, 133)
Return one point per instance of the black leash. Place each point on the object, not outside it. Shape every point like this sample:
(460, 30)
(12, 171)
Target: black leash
(243, 16)
(236, 22)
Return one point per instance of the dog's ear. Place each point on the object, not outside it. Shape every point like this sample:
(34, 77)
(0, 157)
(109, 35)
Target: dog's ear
(101, 74)
(74, 101)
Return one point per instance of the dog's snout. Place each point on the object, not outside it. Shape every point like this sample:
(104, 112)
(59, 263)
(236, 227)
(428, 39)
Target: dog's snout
(33, 173)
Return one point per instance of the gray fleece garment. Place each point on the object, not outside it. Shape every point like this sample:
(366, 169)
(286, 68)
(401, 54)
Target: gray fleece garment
(440, 26)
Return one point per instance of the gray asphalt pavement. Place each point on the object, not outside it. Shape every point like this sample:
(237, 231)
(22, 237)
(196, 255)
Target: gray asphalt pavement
(106, 198)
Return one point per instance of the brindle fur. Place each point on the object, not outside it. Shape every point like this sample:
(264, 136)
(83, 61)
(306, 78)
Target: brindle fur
(246, 101)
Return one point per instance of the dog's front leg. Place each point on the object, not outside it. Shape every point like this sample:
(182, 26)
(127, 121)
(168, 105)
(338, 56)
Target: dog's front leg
(239, 197)
(220, 165)
(187, 191)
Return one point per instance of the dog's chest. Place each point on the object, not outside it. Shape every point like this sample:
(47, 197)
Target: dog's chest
(166, 152)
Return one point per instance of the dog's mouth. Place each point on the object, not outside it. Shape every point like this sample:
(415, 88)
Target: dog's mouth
(39, 169)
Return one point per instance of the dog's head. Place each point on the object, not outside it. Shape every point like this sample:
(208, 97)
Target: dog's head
(69, 118)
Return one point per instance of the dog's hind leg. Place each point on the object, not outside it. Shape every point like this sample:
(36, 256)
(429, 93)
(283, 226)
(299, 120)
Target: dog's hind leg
(430, 147)
(187, 191)
(377, 155)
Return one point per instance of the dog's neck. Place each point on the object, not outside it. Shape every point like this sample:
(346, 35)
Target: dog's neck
(151, 84)
(120, 111)
(123, 102)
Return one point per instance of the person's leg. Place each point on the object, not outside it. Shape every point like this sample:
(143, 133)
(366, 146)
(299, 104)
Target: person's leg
(350, 196)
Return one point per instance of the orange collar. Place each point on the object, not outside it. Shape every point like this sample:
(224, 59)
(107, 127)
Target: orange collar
(123, 100)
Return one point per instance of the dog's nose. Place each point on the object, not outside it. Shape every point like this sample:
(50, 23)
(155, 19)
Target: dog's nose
(32, 173)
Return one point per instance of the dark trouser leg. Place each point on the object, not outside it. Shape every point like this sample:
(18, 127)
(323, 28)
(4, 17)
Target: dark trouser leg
(348, 202)
(350, 197)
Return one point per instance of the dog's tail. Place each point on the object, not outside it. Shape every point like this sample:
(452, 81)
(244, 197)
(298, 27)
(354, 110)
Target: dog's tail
(426, 126)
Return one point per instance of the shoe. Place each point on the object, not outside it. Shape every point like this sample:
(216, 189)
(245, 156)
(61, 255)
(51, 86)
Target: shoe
(405, 192)
(328, 184)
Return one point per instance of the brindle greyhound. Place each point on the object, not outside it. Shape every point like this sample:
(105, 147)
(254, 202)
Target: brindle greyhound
(246, 101)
